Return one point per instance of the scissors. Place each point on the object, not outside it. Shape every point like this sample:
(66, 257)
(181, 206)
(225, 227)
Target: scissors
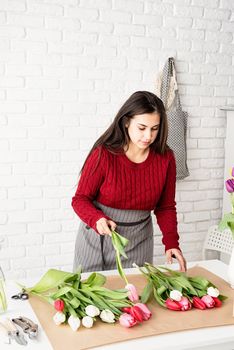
(20, 296)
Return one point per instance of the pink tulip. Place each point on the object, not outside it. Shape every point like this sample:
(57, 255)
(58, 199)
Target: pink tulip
(127, 320)
(208, 300)
(184, 304)
(132, 292)
(230, 185)
(172, 305)
(145, 311)
(232, 172)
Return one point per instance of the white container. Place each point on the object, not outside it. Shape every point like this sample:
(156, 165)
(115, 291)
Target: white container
(230, 271)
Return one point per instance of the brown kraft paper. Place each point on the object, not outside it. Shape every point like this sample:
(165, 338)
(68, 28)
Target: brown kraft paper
(162, 320)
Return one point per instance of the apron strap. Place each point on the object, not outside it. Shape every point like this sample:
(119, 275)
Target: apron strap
(102, 252)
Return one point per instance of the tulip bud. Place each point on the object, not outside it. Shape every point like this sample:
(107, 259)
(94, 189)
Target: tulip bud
(213, 292)
(184, 304)
(175, 295)
(74, 322)
(92, 311)
(59, 318)
(145, 311)
(208, 300)
(217, 301)
(87, 322)
(127, 320)
(172, 305)
(132, 292)
(107, 316)
(198, 303)
(59, 305)
(136, 312)
(230, 185)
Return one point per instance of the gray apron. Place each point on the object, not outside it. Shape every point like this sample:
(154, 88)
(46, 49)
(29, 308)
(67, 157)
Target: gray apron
(94, 252)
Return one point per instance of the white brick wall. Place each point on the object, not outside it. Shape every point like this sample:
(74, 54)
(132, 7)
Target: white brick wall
(66, 66)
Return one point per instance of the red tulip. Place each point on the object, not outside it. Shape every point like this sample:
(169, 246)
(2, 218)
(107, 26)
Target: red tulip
(59, 305)
(127, 320)
(184, 304)
(145, 311)
(172, 305)
(198, 303)
(126, 309)
(217, 301)
(209, 301)
(136, 312)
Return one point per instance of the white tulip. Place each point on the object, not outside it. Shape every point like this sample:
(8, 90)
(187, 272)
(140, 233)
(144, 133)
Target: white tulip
(87, 322)
(74, 322)
(92, 311)
(107, 316)
(175, 295)
(59, 318)
(213, 292)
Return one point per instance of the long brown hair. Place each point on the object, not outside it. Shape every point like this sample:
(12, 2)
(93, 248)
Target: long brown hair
(116, 137)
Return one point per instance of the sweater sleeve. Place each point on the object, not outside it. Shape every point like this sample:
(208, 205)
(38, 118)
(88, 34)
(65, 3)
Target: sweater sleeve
(165, 210)
(89, 184)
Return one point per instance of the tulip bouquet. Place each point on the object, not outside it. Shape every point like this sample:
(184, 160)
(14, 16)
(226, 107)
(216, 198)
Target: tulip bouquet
(80, 301)
(228, 219)
(175, 291)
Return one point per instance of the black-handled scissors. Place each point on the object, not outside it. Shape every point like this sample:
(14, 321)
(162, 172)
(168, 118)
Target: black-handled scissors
(21, 296)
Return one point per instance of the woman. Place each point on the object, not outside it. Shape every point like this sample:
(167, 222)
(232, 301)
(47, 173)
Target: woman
(129, 172)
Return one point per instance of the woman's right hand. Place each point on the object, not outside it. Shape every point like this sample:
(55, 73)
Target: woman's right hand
(105, 226)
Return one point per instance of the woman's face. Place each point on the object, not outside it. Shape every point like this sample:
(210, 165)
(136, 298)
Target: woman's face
(143, 129)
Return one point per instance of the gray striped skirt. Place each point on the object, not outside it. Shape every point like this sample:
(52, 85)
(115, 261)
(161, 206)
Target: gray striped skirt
(94, 252)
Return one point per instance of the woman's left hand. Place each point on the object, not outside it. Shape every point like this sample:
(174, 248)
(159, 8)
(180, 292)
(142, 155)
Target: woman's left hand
(179, 256)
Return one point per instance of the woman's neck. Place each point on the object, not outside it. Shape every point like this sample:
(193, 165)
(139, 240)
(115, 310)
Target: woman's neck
(136, 154)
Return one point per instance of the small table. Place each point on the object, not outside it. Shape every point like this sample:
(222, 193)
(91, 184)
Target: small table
(214, 338)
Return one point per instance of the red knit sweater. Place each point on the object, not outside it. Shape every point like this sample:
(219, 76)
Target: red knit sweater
(117, 182)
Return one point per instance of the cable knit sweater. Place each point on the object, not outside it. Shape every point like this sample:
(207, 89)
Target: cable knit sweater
(119, 183)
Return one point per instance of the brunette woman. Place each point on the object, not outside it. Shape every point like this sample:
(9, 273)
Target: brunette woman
(129, 172)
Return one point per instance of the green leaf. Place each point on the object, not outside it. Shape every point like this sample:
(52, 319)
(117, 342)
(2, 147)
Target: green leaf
(99, 280)
(61, 292)
(71, 310)
(112, 294)
(147, 291)
(80, 296)
(124, 241)
(90, 279)
(118, 244)
(222, 297)
(161, 290)
(199, 282)
(159, 300)
(75, 303)
(227, 222)
(50, 280)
